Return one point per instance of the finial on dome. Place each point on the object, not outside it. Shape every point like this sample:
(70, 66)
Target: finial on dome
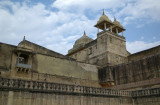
(24, 38)
(84, 33)
(103, 12)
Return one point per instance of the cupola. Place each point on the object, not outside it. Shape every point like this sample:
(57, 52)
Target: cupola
(81, 42)
(117, 27)
(104, 22)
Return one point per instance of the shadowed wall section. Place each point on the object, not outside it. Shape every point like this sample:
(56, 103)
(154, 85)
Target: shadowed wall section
(138, 70)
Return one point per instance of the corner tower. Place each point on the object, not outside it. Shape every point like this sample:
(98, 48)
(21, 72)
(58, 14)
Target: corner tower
(111, 46)
(108, 49)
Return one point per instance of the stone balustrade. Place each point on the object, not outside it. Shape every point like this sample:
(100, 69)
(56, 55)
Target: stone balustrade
(146, 92)
(23, 65)
(49, 87)
(36, 86)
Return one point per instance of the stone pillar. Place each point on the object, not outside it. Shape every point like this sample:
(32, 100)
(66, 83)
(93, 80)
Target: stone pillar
(122, 33)
(104, 26)
(116, 30)
(98, 30)
(18, 57)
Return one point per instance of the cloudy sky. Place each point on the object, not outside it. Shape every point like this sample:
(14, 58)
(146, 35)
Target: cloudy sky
(56, 24)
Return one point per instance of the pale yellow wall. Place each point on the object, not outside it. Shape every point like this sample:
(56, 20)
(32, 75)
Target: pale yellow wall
(107, 51)
(63, 67)
(6, 56)
(58, 70)
(145, 53)
(117, 45)
(80, 55)
(33, 98)
(5, 59)
(104, 51)
(116, 59)
(13, 71)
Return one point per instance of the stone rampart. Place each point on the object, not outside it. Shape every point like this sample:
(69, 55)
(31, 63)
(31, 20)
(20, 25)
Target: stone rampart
(138, 70)
(29, 92)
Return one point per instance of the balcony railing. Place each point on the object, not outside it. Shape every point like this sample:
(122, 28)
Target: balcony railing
(20, 65)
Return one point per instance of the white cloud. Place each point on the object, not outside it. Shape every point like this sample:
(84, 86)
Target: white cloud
(81, 5)
(137, 46)
(127, 10)
(141, 10)
(55, 30)
(59, 29)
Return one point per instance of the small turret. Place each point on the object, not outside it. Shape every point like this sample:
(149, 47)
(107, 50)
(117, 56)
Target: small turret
(117, 27)
(104, 22)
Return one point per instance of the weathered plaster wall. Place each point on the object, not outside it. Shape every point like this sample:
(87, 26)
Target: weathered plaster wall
(115, 59)
(110, 49)
(144, 54)
(80, 55)
(47, 68)
(145, 84)
(39, 49)
(63, 67)
(107, 49)
(116, 44)
(63, 79)
(6, 55)
(5, 58)
(28, 98)
(140, 70)
(154, 100)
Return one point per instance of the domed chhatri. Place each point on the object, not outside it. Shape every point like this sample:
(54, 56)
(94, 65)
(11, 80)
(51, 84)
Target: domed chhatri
(117, 27)
(104, 18)
(117, 23)
(81, 42)
(104, 22)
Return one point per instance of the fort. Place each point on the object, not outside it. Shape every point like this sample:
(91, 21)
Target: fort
(94, 72)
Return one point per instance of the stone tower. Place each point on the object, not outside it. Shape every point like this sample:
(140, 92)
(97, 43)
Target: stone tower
(108, 49)
(110, 45)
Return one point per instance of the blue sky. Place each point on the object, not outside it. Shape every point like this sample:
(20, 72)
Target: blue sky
(56, 24)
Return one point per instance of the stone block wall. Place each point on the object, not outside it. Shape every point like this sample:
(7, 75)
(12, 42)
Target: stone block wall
(22, 92)
(144, 53)
(138, 70)
(154, 100)
(6, 56)
(63, 79)
(29, 98)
